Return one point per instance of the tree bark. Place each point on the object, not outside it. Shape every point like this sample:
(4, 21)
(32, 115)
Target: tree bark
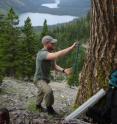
(102, 50)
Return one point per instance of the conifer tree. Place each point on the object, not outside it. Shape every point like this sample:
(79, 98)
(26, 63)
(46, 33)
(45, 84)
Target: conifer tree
(27, 51)
(1, 53)
(45, 30)
(9, 42)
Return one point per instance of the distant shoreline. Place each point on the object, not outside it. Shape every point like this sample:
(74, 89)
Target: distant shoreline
(37, 19)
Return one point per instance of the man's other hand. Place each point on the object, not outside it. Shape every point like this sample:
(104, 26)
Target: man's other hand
(68, 71)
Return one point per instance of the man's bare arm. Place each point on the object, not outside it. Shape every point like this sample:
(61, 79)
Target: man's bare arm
(58, 68)
(67, 71)
(62, 53)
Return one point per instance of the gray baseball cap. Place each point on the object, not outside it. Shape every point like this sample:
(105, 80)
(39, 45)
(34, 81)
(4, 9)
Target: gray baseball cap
(48, 38)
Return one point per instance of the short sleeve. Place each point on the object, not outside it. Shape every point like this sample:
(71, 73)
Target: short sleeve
(42, 55)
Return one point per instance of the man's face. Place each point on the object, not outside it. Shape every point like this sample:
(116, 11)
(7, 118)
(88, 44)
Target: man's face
(51, 46)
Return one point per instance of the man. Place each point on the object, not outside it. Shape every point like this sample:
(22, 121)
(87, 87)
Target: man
(45, 61)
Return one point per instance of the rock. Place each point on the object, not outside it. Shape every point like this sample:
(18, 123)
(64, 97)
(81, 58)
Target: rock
(19, 93)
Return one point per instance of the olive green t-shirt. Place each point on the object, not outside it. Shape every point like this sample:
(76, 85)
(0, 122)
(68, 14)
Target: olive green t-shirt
(43, 66)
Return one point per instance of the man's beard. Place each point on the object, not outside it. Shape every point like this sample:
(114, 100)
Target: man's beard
(50, 49)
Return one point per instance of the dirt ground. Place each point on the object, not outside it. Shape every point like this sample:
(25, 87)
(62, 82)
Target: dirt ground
(19, 98)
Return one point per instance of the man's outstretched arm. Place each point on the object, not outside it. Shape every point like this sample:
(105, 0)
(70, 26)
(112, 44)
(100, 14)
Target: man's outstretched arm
(61, 53)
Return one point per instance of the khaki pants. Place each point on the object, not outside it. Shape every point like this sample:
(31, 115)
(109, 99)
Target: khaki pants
(44, 92)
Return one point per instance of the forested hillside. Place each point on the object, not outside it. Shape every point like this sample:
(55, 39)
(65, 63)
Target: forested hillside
(67, 35)
(18, 46)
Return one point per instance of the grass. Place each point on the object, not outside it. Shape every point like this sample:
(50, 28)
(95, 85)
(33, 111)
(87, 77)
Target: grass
(8, 91)
(31, 105)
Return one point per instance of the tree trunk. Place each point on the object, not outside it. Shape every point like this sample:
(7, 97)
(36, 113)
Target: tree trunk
(102, 50)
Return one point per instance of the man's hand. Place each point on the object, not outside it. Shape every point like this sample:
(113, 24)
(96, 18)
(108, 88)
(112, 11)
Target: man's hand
(68, 71)
(75, 45)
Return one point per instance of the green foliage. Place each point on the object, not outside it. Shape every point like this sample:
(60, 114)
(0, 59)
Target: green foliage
(67, 35)
(8, 43)
(26, 55)
(74, 78)
(1, 78)
(44, 30)
(31, 105)
(1, 55)
(18, 46)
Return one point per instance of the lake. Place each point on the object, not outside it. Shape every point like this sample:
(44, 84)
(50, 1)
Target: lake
(37, 19)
